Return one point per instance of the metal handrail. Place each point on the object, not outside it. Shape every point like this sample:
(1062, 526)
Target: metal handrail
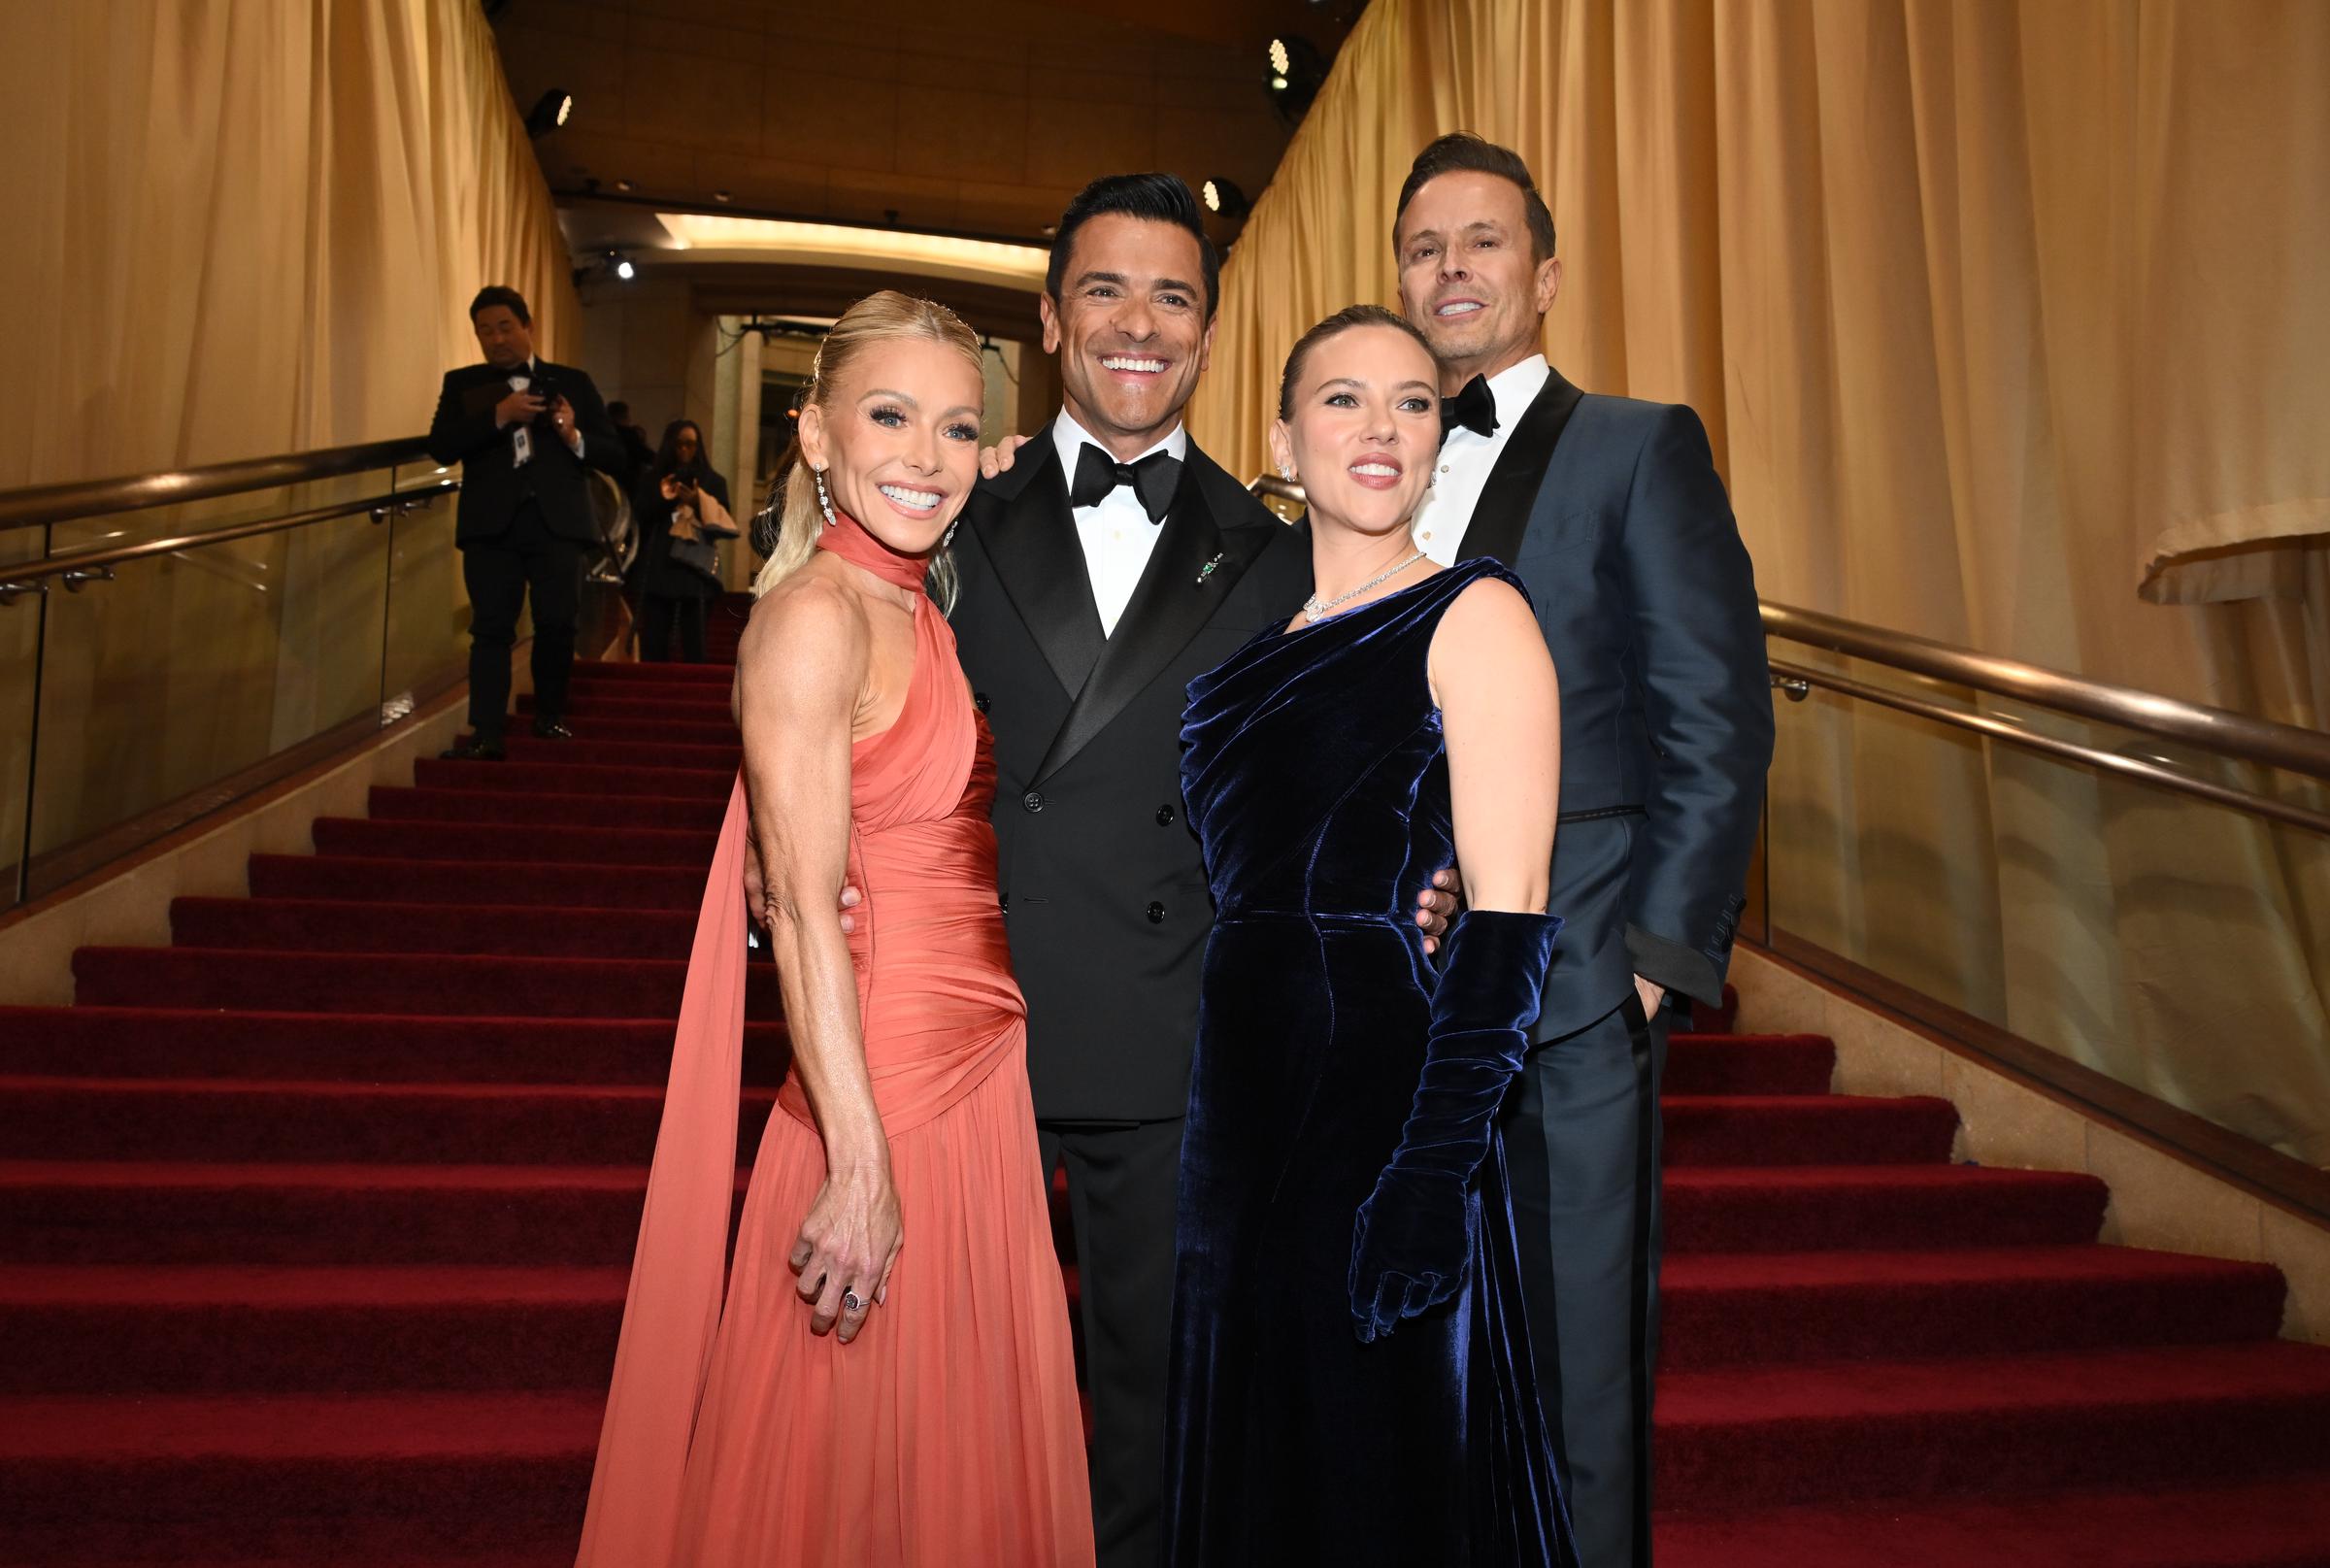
(2218, 731)
(20, 579)
(138, 492)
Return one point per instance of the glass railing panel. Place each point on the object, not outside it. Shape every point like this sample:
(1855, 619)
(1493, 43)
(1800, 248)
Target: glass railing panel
(2179, 946)
(189, 668)
(81, 534)
(428, 640)
(20, 682)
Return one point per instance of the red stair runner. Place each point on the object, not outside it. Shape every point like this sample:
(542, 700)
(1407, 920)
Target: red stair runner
(313, 1230)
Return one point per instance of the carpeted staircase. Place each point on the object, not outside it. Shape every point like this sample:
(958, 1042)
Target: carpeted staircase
(313, 1230)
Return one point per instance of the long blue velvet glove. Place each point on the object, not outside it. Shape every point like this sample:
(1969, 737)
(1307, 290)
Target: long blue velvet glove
(1411, 1246)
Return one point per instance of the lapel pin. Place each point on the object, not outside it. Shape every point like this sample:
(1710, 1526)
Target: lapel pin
(1206, 571)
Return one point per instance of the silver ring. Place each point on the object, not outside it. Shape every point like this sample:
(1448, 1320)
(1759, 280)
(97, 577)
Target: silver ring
(851, 1301)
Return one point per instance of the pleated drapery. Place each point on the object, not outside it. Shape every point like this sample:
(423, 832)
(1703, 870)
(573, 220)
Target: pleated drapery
(2010, 325)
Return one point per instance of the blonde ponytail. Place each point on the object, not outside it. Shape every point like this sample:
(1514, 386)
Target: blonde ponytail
(882, 316)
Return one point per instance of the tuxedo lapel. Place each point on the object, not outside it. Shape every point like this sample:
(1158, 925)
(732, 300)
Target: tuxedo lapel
(1501, 516)
(1176, 596)
(1031, 539)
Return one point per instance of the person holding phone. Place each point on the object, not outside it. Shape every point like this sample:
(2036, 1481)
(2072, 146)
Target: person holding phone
(523, 430)
(681, 508)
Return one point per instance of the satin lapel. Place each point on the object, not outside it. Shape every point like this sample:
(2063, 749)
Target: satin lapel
(1501, 516)
(1031, 539)
(1172, 601)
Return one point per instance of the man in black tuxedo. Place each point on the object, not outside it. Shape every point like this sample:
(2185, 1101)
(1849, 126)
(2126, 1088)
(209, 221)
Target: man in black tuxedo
(523, 431)
(1611, 513)
(1108, 565)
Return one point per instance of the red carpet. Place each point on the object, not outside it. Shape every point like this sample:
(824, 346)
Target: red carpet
(314, 1226)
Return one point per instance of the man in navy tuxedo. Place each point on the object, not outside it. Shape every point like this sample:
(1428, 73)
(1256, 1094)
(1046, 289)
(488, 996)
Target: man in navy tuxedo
(1611, 513)
(523, 430)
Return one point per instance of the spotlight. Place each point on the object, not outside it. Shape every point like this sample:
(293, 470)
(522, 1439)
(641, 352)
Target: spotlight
(1297, 71)
(1225, 198)
(550, 112)
(624, 270)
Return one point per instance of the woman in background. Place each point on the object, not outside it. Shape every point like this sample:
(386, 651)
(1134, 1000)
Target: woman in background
(681, 507)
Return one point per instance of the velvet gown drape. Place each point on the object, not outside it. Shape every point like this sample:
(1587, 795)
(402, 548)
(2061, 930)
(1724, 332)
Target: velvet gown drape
(948, 1434)
(1317, 778)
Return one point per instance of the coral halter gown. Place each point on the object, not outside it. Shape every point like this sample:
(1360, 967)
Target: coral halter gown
(948, 1431)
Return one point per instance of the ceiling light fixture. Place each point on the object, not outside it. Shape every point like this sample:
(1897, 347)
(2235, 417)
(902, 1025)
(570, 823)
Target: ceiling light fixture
(1224, 197)
(550, 112)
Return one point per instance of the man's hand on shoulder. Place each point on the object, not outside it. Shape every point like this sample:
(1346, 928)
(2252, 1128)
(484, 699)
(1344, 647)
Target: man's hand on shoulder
(997, 459)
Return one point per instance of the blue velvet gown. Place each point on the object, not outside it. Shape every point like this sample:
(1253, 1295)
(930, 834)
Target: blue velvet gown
(1317, 779)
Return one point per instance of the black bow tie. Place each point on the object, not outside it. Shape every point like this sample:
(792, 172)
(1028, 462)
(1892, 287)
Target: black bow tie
(1153, 480)
(1475, 407)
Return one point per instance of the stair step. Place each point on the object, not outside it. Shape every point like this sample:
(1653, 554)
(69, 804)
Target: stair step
(689, 730)
(1883, 1208)
(543, 778)
(695, 703)
(595, 674)
(1750, 1065)
(358, 1328)
(396, 983)
(422, 1048)
(1765, 1437)
(55, 1118)
(1742, 1309)
(393, 804)
(584, 751)
(152, 1213)
(356, 835)
(1806, 1129)
(358, 880)
(2280, 1523)
(263, 1472)
(535, 929)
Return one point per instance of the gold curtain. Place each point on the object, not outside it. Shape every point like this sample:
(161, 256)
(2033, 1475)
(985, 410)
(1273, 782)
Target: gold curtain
(2010, 325)
(251, 226)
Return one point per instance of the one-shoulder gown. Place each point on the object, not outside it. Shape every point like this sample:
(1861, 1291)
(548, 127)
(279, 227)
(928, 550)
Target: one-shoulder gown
(1317, 778)
(948, 1434)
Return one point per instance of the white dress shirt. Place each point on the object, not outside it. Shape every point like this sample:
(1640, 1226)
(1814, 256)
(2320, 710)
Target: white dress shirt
(1117, 533)
(1467, 457)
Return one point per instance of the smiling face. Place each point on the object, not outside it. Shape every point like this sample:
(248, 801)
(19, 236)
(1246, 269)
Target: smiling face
(899, 440)
(1470, 278)
(1131, 329)
(1362, 429)
(507, 341)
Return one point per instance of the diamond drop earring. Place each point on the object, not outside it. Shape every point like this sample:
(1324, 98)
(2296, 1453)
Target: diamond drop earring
(825, 498)
(946, 539)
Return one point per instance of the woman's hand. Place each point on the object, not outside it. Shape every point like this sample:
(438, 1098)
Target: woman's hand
(847, 1246)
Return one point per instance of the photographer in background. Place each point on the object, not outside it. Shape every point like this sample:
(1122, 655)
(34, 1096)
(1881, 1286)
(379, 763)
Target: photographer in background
(681, 508)
(523, 430)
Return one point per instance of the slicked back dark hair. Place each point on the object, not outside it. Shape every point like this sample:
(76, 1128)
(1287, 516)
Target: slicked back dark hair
(1342, 322)
(1158, 198)
(1462, 151)
(493, 294)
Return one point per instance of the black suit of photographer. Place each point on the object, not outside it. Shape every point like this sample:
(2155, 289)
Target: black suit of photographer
(522, 527)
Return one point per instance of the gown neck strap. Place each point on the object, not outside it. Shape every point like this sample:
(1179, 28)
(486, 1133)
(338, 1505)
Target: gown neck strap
(848, 540)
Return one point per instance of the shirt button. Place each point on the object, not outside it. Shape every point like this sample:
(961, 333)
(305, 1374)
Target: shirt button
(1157, 915)
(1164, 815)
(978, 700)
(1032, 801)
(1444, 468)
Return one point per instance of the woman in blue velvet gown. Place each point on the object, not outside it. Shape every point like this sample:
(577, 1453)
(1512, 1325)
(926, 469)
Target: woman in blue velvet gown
(1350, 1379)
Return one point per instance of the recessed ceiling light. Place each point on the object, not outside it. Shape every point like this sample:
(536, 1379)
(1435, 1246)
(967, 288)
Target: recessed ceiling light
(719, 195)
(624, 184)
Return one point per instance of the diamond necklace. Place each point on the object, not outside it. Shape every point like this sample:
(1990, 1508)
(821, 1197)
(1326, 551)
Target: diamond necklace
(1316, 607)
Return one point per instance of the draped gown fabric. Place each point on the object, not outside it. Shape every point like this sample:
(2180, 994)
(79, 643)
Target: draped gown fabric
(949, 1432)
(1317, 778)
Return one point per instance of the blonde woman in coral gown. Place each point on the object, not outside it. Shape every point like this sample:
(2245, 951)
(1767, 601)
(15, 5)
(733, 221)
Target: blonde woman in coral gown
(889, 1382)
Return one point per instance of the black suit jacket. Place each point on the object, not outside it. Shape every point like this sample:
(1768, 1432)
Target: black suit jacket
(492, 487)
(1611, 513)
(1103, 889)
